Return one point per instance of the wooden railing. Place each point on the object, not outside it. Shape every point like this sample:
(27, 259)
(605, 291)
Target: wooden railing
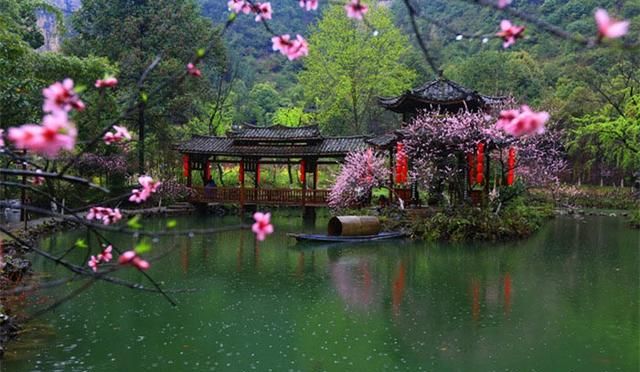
(260, 196)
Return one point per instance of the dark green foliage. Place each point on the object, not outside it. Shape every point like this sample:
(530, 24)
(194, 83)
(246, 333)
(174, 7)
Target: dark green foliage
(24, 72)
(518, 220)
(133, 34)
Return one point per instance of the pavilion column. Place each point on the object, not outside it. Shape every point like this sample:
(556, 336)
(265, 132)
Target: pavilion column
(257, 178)
(241, 179)
(186, 168)
(303, 179)
(487, 172)
(391, 173)
(315, 180)
(315, 177)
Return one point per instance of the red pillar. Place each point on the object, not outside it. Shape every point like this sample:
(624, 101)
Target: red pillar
(511, 164)
(480, 166)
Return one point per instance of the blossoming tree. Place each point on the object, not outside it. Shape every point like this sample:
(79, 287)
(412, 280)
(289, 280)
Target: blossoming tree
(455, 152)
(360, 174)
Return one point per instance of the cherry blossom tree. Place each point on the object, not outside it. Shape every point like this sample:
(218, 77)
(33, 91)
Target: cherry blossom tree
(445, 149)
(361, 173)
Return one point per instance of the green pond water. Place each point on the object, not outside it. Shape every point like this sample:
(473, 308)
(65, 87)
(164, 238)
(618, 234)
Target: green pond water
(567, 299)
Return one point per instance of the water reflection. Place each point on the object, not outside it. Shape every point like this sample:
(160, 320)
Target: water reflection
(398, 288)
(352, 280)
(566, 299)
(507, 293)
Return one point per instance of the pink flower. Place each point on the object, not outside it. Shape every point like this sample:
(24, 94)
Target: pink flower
(193, 70)
(309, 4)
(506, 117)
(61, 96)
(138, 196)
(262, 227)
(293, 49)
(148, 187)
(55, 134)
(608, 27)
(263, 11)
(58, 133)
(509, 33)
(25, 136)
(355, 9)
(148, 183)
(106, 215)
(93, 263)
(524, 123)
(503, 3)
(238, 6)
(121, 133)
(132, 258)
(281, 43)
(37, 181)
(106, 254)
(109, 82)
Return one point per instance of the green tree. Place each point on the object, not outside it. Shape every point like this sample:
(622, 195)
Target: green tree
(24, 72)
(264, 100)
(133, 34)
(612, 134)
(292, 117)
(500, 73)
(350, 65)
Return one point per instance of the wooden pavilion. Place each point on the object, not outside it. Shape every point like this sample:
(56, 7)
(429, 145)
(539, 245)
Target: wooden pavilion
(251, 147)
(440, 95)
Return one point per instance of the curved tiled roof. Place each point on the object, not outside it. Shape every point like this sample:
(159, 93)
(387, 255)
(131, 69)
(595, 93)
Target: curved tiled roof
(438, 93)
(276, 133)
(226, 146)
(383, 140)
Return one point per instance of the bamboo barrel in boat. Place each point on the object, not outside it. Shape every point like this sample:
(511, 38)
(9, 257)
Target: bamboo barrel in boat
(354, 225)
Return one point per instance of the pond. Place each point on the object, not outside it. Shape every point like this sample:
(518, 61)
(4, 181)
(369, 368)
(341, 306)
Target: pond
(565, 299)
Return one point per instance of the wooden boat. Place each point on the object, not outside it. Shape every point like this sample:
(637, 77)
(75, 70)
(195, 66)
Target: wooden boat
(347, 239)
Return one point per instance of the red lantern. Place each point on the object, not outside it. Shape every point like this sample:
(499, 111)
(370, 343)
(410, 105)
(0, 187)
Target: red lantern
(480, 166)
(241, 172)
(402, 164)
(303, 172)
(472, 168)
(511, 165)
(185, 165)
